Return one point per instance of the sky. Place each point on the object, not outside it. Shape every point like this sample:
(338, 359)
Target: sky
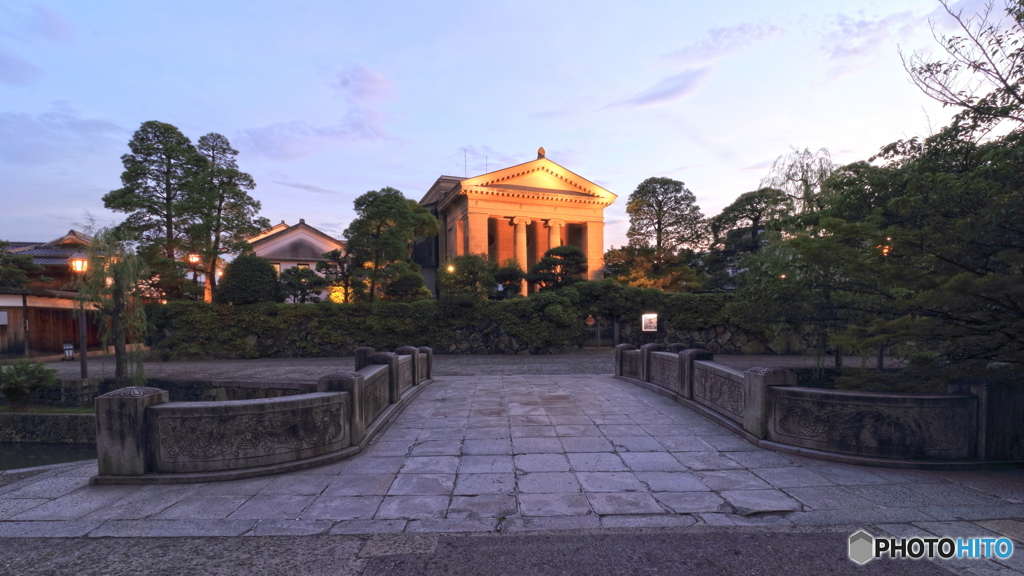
(327, 100)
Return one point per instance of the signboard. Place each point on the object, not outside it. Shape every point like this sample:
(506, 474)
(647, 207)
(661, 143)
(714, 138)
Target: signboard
(649, 322)
(3, 318)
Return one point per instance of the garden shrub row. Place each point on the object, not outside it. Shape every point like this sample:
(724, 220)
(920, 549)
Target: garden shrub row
(188, 329)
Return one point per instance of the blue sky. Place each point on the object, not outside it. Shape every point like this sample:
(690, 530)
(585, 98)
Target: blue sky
(326, 100)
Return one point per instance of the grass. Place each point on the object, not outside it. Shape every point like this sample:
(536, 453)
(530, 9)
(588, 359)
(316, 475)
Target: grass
(31, 409)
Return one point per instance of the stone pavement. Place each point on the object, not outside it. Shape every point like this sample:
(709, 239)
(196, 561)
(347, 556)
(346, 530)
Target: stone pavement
(528, 453)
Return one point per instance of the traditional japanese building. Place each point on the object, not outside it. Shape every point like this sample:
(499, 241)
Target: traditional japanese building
(516, 213)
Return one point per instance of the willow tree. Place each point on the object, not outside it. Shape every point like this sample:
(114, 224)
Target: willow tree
(113, 284)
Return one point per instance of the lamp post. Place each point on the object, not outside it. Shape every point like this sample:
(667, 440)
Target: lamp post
(79, 265)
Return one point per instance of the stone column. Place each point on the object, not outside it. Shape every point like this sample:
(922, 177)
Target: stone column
(121, 429)
(520, 223)
(476, 233)
(593, 247)
(555, 232)
(353, 383)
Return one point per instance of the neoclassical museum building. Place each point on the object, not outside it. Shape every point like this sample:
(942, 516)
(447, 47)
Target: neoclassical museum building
(515, 213)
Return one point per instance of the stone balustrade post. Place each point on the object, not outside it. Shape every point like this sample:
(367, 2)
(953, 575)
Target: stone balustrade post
(391, 360)
(677, 347)
(756, 383)
(645, 360)
(619, 349)
(415, 353)
(121, 429)
(429, 352)
(363, 354)
(686, 359)
(1000, 426)
(353, 383)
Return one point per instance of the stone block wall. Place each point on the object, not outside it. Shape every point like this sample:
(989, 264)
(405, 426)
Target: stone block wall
(48, 428)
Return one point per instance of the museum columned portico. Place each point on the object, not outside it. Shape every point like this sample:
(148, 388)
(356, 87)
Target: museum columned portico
(519, 213)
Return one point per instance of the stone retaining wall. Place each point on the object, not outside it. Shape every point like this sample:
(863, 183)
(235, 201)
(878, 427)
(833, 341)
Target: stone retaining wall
(48, 428)
(976, 421)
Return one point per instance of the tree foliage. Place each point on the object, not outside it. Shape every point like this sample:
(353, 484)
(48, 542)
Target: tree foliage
(381, 234)
(160, 175)
(510, 277)
(302, 285)
(559, 267)
(468, 275)
(224, 213)
(15, 268)
(800, 175)
(663, 215)
(249, 279)
(741, 229)
(639, 266)
(343, 274)
(984, 67)
(114, 283)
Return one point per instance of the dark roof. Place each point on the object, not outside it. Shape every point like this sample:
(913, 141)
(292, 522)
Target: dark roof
(55, 252)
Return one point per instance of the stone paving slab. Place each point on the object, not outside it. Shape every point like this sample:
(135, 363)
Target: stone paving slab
(526, 453)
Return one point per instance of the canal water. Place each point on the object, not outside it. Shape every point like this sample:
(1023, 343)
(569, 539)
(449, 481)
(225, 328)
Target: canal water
(16, 455)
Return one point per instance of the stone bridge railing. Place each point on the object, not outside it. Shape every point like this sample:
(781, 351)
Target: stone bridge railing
(143, 438)
(973, 425)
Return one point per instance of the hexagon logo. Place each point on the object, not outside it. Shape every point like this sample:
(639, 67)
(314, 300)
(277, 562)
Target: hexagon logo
(861, 547)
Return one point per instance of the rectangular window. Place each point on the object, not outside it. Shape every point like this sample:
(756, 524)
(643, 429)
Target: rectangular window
(277, 267)
(302, 266)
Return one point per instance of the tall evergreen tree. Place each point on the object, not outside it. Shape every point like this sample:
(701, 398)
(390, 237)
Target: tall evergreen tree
(663, 215)
(382, 232)
(225, 215)
(160, 175)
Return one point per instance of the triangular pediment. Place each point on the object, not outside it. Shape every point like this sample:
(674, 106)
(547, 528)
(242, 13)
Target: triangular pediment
(541, 177)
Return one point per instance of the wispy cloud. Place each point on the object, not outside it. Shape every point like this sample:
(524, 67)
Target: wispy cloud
(50, 24)
(855, 42)
(698, 61)
(718, 43)
(668, 90)
(363, 91)
(17, 72)
(59, 135)
(306, 187)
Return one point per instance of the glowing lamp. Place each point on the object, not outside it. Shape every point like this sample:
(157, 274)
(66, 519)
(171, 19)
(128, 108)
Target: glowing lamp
(78, 262)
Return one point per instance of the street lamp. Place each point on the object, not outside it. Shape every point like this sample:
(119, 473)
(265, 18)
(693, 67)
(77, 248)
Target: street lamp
(80, 265)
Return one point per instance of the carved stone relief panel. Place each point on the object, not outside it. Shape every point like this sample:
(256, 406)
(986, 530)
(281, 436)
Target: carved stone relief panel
(376, 396)
(938, 428)
(721, 392)
(250, 437)
(665, 372)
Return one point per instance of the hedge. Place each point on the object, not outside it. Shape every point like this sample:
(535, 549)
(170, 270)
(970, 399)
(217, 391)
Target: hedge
(553, 319)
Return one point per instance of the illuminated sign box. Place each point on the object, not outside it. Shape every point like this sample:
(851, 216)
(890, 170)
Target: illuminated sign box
(649, 322)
